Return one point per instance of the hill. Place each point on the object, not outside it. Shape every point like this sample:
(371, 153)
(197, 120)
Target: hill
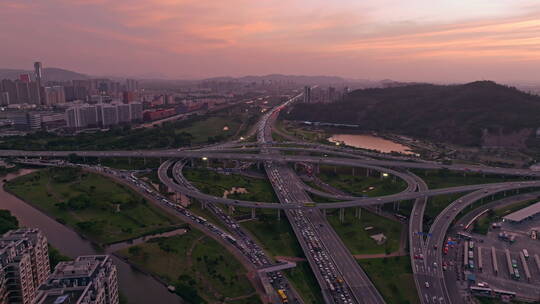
(49, 74)
(473, 114)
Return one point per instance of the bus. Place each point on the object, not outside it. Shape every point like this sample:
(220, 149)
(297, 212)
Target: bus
(506, 293)
(481, 290)
(282, 296)
(464, 235)
(526, 253)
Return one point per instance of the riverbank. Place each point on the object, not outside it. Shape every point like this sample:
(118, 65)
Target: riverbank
(101, 210)
(72, 244)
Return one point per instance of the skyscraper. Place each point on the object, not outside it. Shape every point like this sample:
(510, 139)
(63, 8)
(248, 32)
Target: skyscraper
(307, 94)
(38, 72)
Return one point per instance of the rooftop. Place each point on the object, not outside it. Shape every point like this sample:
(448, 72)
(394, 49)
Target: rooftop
(524, 213)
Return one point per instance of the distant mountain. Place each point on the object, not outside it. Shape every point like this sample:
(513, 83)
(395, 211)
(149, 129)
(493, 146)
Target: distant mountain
(49, 74)
(300, 79)
(481, 113)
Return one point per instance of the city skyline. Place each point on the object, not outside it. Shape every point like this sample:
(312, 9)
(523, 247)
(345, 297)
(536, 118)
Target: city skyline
(442, 42)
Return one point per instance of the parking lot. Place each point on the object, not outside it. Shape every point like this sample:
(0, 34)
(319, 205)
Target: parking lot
(508, 274)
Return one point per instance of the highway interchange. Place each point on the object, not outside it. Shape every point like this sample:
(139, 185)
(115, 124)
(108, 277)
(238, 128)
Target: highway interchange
(340, 277)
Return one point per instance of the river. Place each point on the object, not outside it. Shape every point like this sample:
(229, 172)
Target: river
(139, 288)
(370, 142)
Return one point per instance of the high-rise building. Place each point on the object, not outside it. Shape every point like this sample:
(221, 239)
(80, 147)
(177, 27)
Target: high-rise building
(132, 85)
(10, 87)
(24, 78)
(128, 96)
(81, 116)
(35, 93)
(307, 94)
(24, 264)
(23, 92)
(332, 95)
(38, 74)
(88, 279)
(136, 111)
(123, 113)
(4, 100)
(54, 95)
(109, 115)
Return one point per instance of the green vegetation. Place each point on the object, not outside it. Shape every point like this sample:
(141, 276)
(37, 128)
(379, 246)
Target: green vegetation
(303, 280)
(447, 113)
(193, 130)
(355, 236)
(7, 170)
(216, 184)
(56, 257)
(199, 267)
(342, 179)
(97, 207)
(277, 237)
(393, 278)
(436, 204)
(7, 221)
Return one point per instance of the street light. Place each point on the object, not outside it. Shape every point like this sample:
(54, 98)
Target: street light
(205, 158)
(385, 174)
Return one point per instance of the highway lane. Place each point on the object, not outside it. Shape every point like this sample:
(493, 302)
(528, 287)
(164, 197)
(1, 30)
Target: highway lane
(239, 155)
(252, 250)
(359, 202)
(337, 272)
(417, 245)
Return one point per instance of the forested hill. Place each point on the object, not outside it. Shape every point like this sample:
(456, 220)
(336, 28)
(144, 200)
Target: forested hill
(453, 113)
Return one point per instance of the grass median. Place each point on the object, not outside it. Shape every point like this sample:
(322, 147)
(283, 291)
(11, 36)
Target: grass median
(393, 278)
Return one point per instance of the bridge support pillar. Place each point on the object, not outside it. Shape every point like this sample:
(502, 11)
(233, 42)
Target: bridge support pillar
(368, 172)
(144, 160)
(295, 167)
(278, 214)
(191, 162)
(231, 210)
(353, 171)
(258, 165)
(324, 212)
(129, 160)
(342, 215)
(252, 213)
(358, 212)
(504, 193)
(203, 205)
(316, 169)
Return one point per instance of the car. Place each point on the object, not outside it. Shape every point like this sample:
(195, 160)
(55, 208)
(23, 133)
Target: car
(426, 284)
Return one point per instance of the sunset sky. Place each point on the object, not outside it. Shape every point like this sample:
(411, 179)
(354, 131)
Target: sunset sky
(422, 40)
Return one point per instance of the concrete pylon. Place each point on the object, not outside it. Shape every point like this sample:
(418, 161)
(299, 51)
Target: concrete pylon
(358, 212)
(278, 214)
(342, 215)
(252, 213)
(324, 212)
